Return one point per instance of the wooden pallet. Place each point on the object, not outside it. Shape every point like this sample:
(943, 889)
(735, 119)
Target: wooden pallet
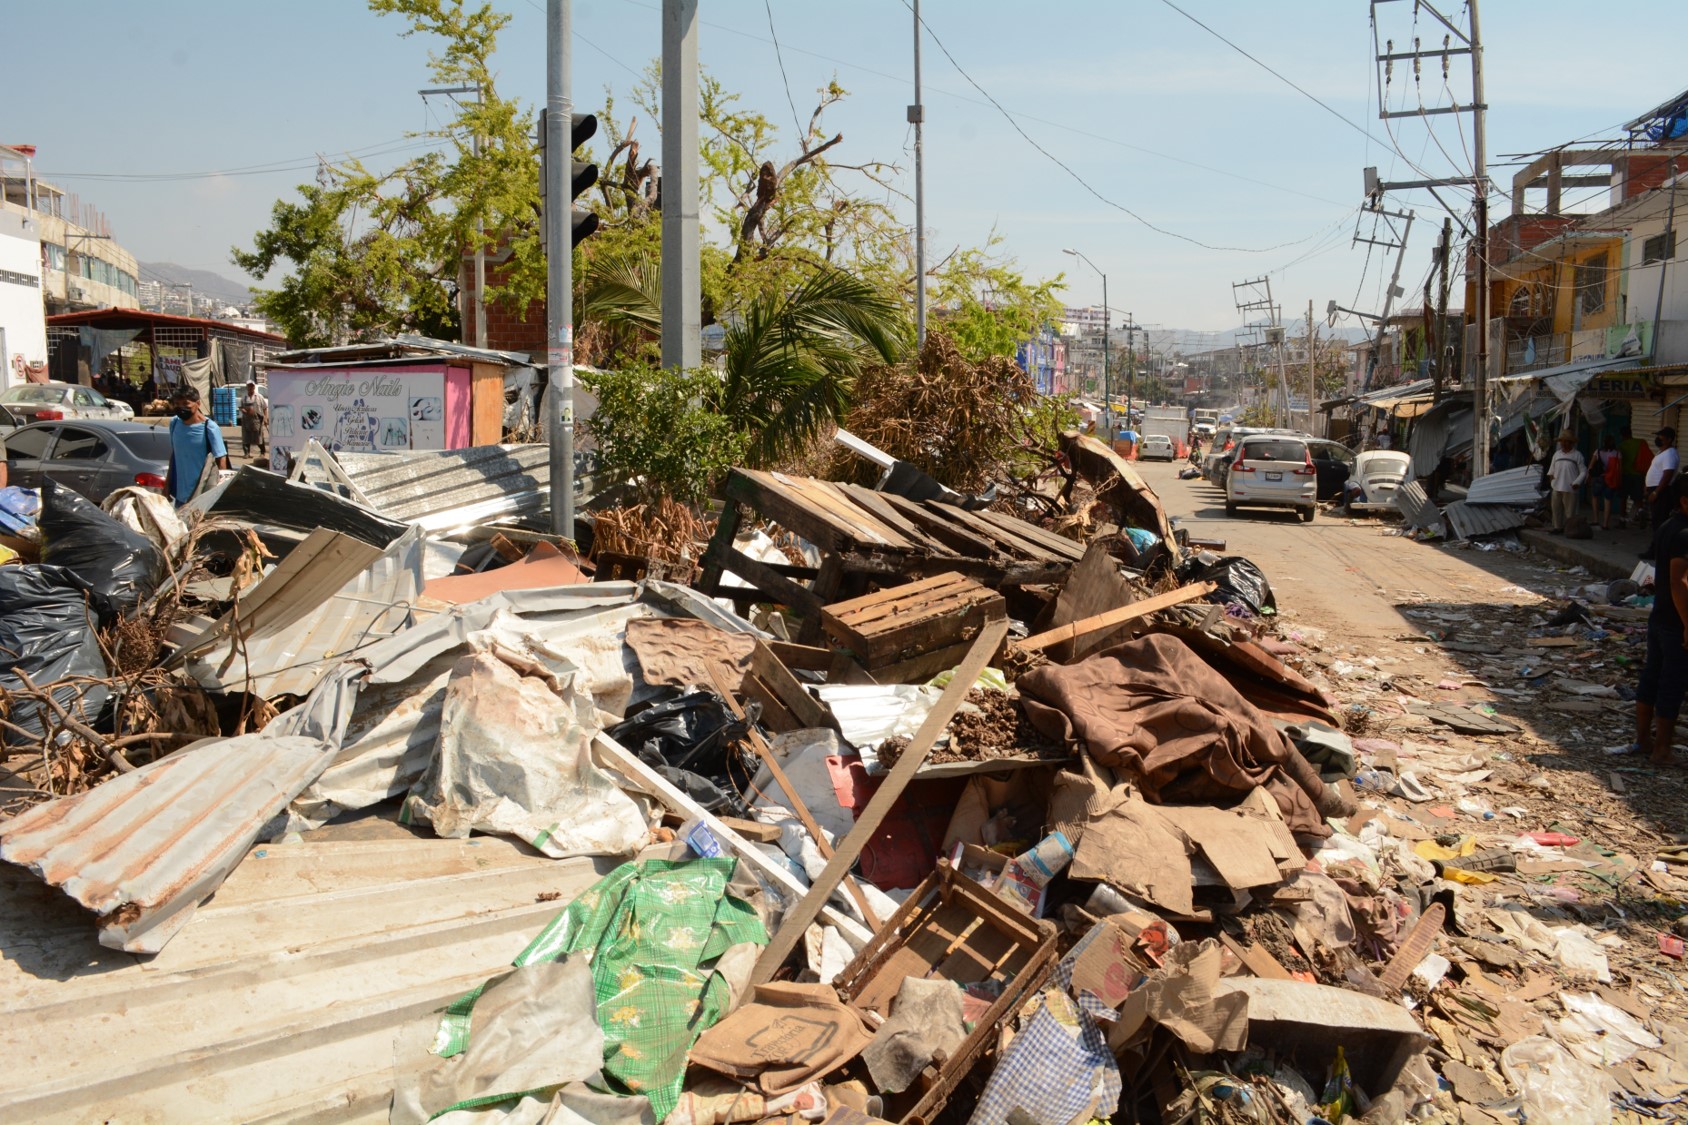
(902, 622)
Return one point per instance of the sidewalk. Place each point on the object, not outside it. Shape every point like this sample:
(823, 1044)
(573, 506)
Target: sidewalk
(1610, 554)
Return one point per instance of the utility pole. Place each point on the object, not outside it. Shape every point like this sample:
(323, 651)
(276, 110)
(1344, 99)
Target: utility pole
(1107, 314)
(1312, 350)
(682, 293)
(1256, 297)
(1664, 263)
(917, 118)
(480, 226)
(1439, 372)
(559, 266)
(1470, 40)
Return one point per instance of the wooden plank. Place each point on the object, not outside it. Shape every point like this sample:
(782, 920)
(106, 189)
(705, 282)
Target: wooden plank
(798, 918)
(835, 500)
(876, 503)
(801, 658)
(1003, 539)
(720, 548)
(1055, 544)
(775, 587)
(919, 669)
(618, 757)
(915, 618)
(804, 816)
(959, 539)
(810, 711)
(767, 499)
(1116, 616)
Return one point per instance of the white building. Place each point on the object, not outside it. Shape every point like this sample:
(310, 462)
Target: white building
(23, 323)
(81, 265)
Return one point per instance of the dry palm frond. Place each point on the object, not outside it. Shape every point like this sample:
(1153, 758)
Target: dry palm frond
(664, 530)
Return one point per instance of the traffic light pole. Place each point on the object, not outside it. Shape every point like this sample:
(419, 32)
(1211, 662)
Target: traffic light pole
(682, 288)
(559, 268)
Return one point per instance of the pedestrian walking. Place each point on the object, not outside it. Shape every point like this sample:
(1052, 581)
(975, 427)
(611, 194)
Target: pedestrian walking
(254, 420)
(1664, 675)
(1660, 472)
(1605, 481)
(1636, 458)
(1565, 473)
(194, 439)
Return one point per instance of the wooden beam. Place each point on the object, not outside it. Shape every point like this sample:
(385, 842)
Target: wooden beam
(618, 757)
(799, 917)
(1117, 616)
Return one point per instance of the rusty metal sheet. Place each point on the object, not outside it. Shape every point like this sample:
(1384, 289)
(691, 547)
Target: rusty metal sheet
(144, 849)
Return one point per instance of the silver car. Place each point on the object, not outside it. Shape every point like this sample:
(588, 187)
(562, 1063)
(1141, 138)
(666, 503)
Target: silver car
(53, 402)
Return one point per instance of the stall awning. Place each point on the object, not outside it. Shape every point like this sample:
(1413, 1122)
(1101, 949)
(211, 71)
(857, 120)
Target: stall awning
(1567, 380)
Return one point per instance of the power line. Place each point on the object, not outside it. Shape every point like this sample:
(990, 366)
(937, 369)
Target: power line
(1080, 180)
(779, 55)
(385, 148)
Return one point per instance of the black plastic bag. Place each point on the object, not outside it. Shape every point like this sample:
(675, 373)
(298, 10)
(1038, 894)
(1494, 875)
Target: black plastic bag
(1240, 582)
(688, 738)
(46, 630)
(117, 565)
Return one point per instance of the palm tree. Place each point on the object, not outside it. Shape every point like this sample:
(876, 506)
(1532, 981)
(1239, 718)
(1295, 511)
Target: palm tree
(792, 355)
(792, 358)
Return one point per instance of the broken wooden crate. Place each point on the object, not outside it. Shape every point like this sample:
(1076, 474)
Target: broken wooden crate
(869, 537)
(892, 627)
(950, 928)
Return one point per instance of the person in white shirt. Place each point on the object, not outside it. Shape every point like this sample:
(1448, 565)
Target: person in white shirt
(1659, 474)
(1565, 473)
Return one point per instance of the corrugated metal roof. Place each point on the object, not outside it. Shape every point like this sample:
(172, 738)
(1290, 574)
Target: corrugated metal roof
(446, 489)
(294, 630)
(398, 347)
(1416, 507)
(1520, 487)
(143, 849)
(1470, 521)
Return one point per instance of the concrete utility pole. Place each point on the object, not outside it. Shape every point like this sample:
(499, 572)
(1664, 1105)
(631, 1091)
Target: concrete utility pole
(917, 118)
(1480, 189)
(1312, 350)
(682, 289)
(559, 266)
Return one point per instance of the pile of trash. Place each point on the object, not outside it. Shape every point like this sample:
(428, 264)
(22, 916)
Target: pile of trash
(954, 816)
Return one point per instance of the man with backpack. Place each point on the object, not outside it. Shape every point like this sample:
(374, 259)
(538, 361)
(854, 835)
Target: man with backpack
(1606, 481)
(194, 439)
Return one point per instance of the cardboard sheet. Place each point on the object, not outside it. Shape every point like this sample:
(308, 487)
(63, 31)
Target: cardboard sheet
(1132, 846)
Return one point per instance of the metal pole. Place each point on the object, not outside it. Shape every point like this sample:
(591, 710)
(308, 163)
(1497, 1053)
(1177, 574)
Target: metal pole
(1130, 364)
(559, 267)
(917, 117)
(1312, 349)
(682, 293)
(1480, 188)
(480, 245)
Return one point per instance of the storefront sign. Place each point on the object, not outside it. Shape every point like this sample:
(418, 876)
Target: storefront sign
(1620, 385)
(353, 411)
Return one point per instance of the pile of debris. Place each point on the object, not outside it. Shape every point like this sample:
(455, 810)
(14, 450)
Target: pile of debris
(955, 815)
(1497, 503)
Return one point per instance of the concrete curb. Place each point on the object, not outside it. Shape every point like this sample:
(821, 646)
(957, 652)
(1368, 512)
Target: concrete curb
(1601, 559)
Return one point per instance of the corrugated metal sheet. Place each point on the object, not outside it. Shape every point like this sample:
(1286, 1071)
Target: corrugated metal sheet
(1416, 507)
(145, 848)
(1471, 521)
(280, 1001)
(447, 489)
(294, 631)
(1520, 487)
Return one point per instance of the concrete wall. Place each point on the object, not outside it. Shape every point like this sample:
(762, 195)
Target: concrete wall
(22, 314)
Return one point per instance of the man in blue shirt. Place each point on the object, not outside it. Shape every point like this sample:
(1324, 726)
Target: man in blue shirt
(193, 439)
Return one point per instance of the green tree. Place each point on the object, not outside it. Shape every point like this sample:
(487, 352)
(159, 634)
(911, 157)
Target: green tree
(365, 253)
(987, 306)
(660, 430)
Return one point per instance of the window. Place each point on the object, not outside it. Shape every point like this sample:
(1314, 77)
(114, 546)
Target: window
(1591, 285)
(1275, 450)
(152, 443)
(82, 398)
(78, 445)
(38, 393)
(1659, 248)
(52, 256)
(29, 444)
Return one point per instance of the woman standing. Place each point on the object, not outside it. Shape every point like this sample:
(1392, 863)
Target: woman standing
(1605, 480)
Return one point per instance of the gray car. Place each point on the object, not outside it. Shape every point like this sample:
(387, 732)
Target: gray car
(93, 456)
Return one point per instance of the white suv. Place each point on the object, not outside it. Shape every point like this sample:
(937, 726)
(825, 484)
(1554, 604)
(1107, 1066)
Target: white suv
(1272, 471)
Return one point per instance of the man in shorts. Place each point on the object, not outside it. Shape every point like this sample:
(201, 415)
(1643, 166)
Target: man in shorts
(1664, 677)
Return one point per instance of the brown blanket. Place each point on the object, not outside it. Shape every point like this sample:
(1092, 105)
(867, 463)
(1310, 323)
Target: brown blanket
(1155, 709)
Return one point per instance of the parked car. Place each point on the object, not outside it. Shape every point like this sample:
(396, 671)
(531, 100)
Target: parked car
(1217, 464)
(1377, 474)
(1333, 464)
(1157, 447)
(93, 456)
(1273, 471)
(49, 402)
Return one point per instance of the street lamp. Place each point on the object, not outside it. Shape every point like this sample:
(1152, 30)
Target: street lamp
(1107, 385)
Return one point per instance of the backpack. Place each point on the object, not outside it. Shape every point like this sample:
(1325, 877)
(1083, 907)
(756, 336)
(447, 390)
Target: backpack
(1614, 474)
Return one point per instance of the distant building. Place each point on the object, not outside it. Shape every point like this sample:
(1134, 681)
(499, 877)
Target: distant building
(23, 325)
(82, 266)
(1044, 358)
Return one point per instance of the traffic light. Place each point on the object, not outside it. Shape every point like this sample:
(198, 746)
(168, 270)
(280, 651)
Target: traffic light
(582, 127)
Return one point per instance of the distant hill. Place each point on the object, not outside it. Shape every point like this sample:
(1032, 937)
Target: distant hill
(203, 281)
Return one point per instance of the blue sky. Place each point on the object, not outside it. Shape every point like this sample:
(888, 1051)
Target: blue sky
(1151, 111)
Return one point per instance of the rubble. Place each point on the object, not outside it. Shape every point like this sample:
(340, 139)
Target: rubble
(894, 809)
